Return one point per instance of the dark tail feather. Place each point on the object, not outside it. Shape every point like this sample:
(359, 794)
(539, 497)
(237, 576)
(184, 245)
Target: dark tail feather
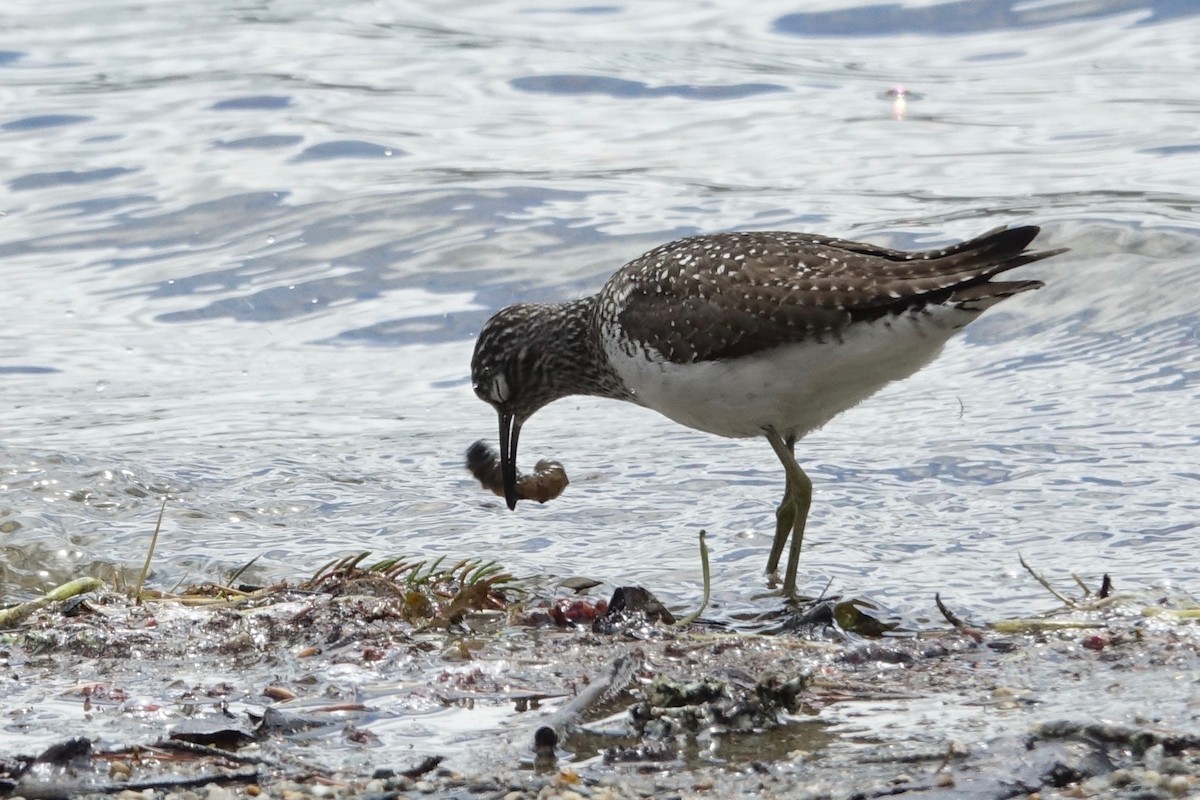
(985, 295)
(996, 251)
(996, 242)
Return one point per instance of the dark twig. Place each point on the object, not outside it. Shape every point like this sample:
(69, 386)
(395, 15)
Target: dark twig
(1046, 584)
(65, 789)
(181, 746)
(137, 592)
(428, 765)
(947, 613)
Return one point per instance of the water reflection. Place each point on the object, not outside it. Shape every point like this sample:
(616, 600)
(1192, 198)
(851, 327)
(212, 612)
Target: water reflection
(968, 17)
(248, 273)
(615, 87)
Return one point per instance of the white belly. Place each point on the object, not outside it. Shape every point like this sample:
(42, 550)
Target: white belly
(794, 388)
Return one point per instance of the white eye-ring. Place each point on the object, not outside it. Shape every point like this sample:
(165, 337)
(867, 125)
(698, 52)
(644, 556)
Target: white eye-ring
(499, 389)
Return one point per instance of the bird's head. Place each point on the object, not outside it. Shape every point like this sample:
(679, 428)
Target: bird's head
(509, 373)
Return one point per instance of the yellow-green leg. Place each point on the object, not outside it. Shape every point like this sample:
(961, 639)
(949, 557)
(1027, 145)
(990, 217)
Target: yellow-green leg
(792, 512)
(784, 514)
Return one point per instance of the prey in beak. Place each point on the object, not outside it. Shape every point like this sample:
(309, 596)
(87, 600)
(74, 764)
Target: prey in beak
(499, 472)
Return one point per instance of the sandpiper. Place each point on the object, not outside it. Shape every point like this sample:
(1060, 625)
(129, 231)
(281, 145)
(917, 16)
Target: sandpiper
(762, 333)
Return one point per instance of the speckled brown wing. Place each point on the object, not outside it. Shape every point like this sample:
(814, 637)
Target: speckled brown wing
(726, 295)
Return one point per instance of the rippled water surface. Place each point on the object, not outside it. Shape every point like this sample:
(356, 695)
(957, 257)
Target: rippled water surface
(245, 248)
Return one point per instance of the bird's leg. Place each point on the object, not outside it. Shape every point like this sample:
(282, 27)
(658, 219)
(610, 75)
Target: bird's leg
(799, 491)
(784, 515)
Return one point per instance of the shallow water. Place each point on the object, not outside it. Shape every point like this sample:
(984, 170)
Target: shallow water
(245, 247)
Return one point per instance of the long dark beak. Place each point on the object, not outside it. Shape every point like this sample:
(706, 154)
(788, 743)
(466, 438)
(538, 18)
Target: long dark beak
(510, 430)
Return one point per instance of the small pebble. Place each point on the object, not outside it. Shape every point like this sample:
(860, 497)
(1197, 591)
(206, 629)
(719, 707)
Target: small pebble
(1173, 766)
(425, 787)
(945, 780)
(1120, 778)
(1153, 757)
(456, 651)
(279, 693)
(254, 790)
(1179, 785)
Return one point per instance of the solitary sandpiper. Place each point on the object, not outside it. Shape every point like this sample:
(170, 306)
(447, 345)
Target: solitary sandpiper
(746, 334)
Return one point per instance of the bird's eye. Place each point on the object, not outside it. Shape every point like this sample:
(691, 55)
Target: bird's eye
(499, 389)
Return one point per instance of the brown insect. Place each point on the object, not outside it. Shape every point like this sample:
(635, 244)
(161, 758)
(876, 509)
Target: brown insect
(546, 482)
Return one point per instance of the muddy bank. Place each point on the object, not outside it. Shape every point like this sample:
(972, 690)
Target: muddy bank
(462, 683)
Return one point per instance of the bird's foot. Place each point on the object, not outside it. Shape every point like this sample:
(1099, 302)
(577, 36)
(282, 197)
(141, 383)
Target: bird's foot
(777, 586)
